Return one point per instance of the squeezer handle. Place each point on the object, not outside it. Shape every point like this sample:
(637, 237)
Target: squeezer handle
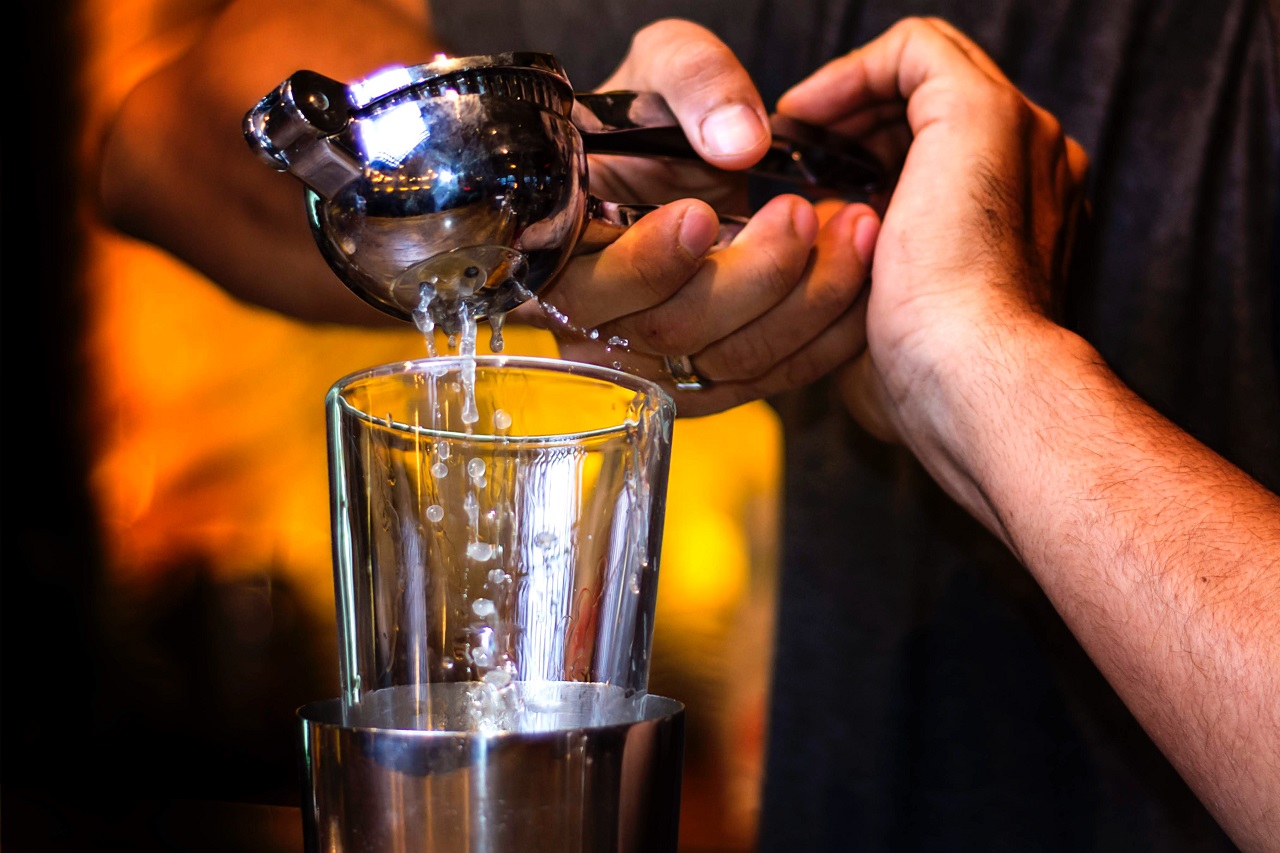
(606, 220)
(642, 124)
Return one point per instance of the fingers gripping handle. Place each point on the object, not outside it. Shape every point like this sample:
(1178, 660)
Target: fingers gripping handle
(607, 220)
(641, 124)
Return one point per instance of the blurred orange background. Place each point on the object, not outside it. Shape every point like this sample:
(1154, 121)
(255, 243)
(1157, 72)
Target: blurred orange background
(210, 422)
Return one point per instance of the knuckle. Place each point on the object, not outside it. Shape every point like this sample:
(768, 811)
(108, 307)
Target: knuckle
(801, 370)
(1054, 126)
(829, 294)
(665, 30)
(706, 68)
(1052, 131)
(745, 356)
(655, 276)
(649, 35)
(688, 49)
(1008, 101)
(915, 23)
(669, 331)
(774, 277)
(1077, 156)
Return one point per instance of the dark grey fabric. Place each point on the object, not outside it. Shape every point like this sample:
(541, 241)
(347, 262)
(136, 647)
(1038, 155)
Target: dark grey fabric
(926, 695)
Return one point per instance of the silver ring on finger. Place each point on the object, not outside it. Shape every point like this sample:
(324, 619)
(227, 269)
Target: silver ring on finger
(684, 374)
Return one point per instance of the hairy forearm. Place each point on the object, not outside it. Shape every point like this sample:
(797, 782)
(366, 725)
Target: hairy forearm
(176, 170)
(1163, 558)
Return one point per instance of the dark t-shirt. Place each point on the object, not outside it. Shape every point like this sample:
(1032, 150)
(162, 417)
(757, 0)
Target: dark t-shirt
(926, 695)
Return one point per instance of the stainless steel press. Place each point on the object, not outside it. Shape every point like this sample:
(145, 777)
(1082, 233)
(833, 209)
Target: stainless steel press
(462, 184)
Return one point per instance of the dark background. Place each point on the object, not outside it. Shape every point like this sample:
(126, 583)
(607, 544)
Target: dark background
(62, 787)
(66, 780)
(49, 562)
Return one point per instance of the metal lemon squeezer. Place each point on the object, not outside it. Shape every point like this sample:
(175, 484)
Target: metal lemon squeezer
(461, 185)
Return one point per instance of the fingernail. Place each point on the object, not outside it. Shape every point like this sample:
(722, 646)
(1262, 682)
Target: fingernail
(865, 231)
(698, 232)
(731, 129)
(804, 220)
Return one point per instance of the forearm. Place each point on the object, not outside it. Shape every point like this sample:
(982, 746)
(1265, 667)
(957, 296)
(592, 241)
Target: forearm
(176, 170)
(1162, 557)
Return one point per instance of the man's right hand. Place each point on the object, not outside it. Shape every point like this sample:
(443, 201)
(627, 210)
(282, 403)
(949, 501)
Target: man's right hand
(779, 307)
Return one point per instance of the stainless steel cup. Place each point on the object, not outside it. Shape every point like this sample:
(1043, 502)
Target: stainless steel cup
(600, 774)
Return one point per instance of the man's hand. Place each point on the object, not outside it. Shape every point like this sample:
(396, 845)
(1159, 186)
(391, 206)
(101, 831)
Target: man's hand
(776, 309)
(1162, 557)
(975, 237)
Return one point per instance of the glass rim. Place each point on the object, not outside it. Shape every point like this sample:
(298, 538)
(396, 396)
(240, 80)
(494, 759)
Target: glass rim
(424, 366)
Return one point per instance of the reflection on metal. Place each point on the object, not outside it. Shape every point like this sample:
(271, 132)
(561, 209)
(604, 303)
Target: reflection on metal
(599, 773)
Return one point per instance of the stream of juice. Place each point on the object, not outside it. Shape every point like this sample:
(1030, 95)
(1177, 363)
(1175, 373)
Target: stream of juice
(515, 613)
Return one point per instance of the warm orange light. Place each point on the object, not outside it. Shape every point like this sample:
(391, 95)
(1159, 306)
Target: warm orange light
(211, 449)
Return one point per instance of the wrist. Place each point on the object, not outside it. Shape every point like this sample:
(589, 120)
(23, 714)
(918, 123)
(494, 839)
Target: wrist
(979, 416)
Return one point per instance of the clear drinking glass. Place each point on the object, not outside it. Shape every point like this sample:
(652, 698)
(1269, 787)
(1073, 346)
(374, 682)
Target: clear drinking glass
(497, 523)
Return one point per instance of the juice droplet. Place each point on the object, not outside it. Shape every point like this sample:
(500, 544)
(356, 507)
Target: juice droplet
(495, 325)
(480, 551)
